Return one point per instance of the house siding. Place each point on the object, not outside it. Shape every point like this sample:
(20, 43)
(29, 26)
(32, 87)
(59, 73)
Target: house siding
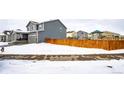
(52, 30)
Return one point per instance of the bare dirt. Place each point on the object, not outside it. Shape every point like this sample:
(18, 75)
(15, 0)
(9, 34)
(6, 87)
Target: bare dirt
(63, 57)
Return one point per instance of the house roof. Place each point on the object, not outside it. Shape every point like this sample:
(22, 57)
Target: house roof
(53, 21)
(7, 31)
(32, 22)
(46, 22)
(22, 32)
(110, 33)
(2, 34)
(70, 31)
(82, 31)
(96, 31)
(15, 31)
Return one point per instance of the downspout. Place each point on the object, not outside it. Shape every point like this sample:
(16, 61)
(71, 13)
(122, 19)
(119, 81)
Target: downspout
(37, 35)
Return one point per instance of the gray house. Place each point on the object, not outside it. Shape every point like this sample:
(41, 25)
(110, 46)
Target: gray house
(82, 35)
(49, 29)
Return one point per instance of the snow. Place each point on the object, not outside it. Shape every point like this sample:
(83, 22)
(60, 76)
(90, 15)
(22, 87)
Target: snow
(61, 67)
(3, 43)
(46, 48)
(20, 31)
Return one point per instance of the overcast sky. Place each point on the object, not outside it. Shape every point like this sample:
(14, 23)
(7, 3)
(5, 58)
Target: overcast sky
(89, 25)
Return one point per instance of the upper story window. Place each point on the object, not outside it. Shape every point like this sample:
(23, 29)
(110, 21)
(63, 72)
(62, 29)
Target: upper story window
(37, 27)
(32, 27)
(41, 26)
(60, 28)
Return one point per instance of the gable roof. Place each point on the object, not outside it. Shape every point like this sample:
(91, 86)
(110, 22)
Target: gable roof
(53, 21)
(80, 31)
(109, 32)
(24, 32)
(46, 22)
(32, 22)
(96, 31)
(71, 32)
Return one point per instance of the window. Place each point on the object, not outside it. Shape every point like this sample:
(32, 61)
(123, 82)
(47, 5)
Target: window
(37, 27)
(41, 26)
(31, 28)
(60, 28)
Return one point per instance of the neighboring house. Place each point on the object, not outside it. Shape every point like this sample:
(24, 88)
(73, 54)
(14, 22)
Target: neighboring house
(121, 37)
(82, 35)
(107, 35)
(8, 34)
(16, 36)
(95, 35)
(49, 29)
(89, 36)
(71, 34)
(2, 37)
(19, 37)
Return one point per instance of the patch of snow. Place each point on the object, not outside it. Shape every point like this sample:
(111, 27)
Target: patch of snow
(46, 48)
(61, 67)
(3, 43)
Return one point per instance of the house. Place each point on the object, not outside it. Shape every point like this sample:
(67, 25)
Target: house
(71, 34)
(107, 35)
(8, 34)
(95, 35)
(82, 35)
(48, 29)
(17, 36)
(2, 37)
(121, 37)
(89, 36)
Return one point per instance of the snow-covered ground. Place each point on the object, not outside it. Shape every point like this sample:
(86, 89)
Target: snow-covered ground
(45, 48)
(62, 67)
(3, 43)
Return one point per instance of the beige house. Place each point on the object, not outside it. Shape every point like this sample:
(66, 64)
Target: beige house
(89, 36)
(107, 35)
(121, 37)
(71, 34)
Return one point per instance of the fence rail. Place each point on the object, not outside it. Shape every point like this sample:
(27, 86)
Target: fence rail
(102, 44)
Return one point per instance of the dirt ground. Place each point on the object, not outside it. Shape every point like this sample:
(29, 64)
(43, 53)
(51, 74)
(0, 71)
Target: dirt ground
(63, 57)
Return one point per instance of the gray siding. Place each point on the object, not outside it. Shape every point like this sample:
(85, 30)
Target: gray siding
(52, 29)
(82, 35)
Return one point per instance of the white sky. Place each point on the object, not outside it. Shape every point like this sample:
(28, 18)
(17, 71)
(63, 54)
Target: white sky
(89, 25)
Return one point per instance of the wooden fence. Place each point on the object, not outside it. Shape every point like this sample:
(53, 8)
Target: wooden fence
(103, 44)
